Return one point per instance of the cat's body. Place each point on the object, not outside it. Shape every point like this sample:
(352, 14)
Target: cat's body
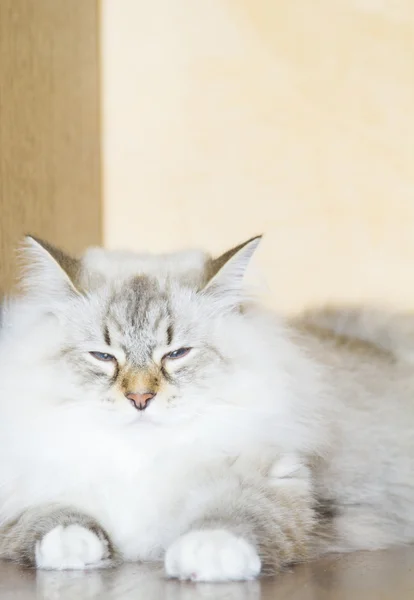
(389, 330)
(216, 378)
(70, 437)
(368, 474)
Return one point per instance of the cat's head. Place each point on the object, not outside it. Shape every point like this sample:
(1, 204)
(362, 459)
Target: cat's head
(159, 344)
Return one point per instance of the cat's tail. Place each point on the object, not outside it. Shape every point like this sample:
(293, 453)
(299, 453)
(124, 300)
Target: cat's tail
(391, 331)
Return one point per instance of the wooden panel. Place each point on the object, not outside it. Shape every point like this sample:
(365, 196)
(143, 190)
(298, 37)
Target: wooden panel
(49, 124)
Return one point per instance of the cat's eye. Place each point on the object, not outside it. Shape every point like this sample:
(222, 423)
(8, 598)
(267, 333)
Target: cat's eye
(177, 353)
(103, 356)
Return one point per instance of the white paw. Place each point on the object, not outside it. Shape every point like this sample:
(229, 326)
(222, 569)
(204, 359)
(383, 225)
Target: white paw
(212, 555)
(72, 547)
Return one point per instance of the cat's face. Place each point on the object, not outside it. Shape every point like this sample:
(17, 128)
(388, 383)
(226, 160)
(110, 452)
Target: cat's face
(149, 347)
(152, 345)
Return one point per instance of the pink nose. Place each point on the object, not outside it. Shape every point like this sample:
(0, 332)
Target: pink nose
(140, 401)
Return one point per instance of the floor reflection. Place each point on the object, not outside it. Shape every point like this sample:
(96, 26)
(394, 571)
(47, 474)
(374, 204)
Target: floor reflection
(132, 582)
(388, 575)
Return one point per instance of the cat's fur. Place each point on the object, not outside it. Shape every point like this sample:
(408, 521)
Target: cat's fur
(368, 474)
(253, 386)
(196, 462)
(388, 329)
(245, 524)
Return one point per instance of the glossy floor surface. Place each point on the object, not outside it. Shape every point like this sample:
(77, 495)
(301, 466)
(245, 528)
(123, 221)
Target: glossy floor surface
(364, 576)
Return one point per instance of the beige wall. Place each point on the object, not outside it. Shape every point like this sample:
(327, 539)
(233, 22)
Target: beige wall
(224, 118)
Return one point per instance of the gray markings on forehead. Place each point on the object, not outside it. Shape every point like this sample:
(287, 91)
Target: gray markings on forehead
(141, 314)
(134, 300)
(107, 337)
(170, 333)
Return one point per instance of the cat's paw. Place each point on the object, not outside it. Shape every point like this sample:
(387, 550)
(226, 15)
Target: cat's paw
(212, 555)
(71, 547)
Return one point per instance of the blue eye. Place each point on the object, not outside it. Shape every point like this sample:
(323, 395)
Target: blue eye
(177, 353)
(104, 356)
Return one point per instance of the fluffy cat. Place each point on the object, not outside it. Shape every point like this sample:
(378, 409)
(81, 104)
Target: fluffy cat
(141, 413)
(145, 381)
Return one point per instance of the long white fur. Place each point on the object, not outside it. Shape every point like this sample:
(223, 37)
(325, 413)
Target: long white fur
(132, 474)
(346, 413)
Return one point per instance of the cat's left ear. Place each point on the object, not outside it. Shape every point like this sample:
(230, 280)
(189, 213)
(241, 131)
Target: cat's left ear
(225, 274)
(50, 274)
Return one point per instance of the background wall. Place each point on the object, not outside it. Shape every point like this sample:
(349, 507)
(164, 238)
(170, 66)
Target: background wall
(224, 118)
(49, 125)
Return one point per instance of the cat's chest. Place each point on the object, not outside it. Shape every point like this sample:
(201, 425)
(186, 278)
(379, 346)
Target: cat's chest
(135, 488)
(135, 481)
(140, 511)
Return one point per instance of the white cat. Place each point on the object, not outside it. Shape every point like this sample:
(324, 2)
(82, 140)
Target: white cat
(140, 415)
(141, 412)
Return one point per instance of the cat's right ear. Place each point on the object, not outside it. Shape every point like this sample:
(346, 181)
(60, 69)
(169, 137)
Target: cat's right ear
(225, 275)
(48, 272)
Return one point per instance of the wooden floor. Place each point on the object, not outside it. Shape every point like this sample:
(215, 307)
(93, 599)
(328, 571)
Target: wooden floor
(364, 576)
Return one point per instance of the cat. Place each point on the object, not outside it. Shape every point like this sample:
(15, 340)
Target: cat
(157, 383)
(128, 423)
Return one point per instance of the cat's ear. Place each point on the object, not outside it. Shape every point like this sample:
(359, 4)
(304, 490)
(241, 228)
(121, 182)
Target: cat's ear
(49, 273)
(225, 274)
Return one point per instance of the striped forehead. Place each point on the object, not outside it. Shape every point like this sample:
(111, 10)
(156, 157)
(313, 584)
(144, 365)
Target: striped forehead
(139, 318)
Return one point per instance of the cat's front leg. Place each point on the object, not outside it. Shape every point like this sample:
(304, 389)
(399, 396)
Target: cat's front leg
(56, 537)
(255, 523)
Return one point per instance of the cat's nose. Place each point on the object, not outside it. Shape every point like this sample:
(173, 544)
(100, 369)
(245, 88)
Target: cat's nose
(140, 400)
